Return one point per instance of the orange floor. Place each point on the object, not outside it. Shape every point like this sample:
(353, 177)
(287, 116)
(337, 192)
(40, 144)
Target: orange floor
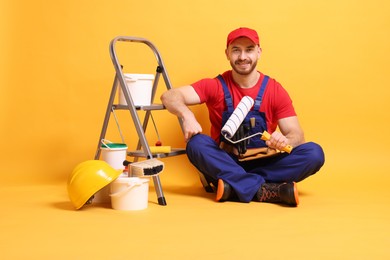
(344, 214)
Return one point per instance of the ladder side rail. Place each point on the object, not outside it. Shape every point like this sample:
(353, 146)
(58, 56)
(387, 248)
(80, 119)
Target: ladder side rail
(107, 116)
(169, 86)
(148, 112)
(130, 103)
(155, 83)
(133, 112)
(166, 78)
(158, 188)
(162, 69)
(144, 126)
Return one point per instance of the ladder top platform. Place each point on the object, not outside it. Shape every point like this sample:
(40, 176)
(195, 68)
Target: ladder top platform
(141, 153)
(146, 108)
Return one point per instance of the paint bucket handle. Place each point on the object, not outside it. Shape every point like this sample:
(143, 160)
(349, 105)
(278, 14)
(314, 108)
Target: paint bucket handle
(125, 190)
(105, 141)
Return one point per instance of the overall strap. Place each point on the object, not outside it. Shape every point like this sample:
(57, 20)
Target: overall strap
(228, 97)
(259, 97)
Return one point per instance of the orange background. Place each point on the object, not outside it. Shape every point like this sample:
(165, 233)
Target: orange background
(56, 74)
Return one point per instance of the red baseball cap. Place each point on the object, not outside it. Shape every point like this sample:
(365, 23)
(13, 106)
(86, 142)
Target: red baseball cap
(243, 32)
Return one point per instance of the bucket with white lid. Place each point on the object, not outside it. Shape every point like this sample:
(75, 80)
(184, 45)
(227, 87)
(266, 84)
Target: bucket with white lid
(140, 88)
(129, 193)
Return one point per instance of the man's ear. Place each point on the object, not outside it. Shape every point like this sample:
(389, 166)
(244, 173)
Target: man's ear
(226, 53)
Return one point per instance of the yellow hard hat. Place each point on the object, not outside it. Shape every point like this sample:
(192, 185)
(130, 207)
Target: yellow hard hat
(87, 178)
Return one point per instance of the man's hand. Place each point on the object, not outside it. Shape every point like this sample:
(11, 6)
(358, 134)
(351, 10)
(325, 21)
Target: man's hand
(277, 141)
(191, 126)
(177, 102)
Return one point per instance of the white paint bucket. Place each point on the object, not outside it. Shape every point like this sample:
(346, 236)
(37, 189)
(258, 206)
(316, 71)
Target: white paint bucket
(130, 193)
(140, 88)
(103, 195)
(114, 154)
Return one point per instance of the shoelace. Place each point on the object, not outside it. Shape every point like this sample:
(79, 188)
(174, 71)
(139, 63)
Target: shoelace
(269, 194)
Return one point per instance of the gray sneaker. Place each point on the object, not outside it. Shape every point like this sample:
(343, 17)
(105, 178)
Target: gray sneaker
(285, 193)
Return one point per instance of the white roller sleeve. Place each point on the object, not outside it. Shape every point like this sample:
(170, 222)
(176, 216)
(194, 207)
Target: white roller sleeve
(235, 120)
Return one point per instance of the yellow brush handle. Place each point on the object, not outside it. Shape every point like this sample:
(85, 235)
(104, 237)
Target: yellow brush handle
(266, 136)
(160, 149)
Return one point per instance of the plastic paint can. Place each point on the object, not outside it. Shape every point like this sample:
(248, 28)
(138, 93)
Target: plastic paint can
(140, 88)
(129, 193)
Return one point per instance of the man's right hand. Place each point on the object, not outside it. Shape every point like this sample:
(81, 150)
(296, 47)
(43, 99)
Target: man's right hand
(191, 126)
(177, 101)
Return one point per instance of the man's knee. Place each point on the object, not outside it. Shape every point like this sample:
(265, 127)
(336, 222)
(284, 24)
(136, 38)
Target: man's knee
(314, 158)
(316, 154)
(199, 140)
(197, 143)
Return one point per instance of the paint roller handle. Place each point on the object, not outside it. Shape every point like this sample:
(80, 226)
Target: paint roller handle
(267, 136)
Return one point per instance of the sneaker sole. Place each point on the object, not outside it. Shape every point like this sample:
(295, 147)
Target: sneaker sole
(296, 194)
(220, 190)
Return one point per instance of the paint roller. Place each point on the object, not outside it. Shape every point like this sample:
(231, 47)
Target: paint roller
(237, 117)
(160, 149)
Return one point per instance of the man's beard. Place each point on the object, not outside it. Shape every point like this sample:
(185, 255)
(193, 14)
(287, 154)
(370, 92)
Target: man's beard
(244, 72)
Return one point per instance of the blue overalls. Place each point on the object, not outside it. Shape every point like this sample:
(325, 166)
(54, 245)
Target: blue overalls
(259, 117)
(246, 177)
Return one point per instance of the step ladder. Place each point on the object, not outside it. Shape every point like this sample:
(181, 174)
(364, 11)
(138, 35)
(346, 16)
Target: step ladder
(143, 148)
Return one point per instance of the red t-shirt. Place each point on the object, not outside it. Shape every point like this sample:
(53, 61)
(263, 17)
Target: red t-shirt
(276, 103)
